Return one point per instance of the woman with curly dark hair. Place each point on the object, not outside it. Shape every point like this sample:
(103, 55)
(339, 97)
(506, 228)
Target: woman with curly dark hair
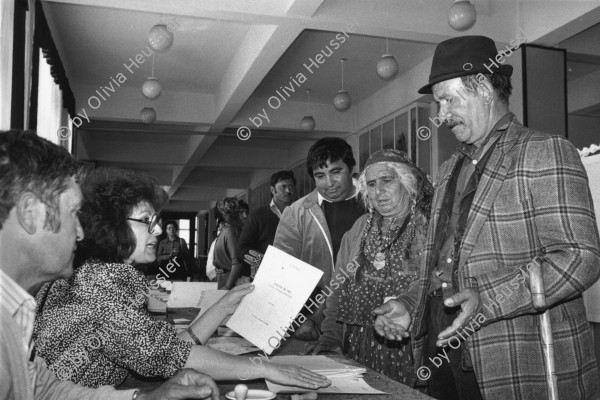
(229, 268)
(94, 327)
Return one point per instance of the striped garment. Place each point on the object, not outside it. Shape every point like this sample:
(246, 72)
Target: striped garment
(532, 201)
(21, 379)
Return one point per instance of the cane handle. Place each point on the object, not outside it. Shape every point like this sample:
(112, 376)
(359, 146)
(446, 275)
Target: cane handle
(536, 283)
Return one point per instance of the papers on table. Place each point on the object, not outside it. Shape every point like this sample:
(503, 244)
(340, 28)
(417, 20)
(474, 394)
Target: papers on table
(281, 287)
(157, 302)
(200, 295)
(231, 345)
(344, 378)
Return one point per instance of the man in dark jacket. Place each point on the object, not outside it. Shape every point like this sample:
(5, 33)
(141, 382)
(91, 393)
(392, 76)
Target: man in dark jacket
(260, 227)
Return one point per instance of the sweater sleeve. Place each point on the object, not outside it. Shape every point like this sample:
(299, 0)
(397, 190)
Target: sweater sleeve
(231, 241)
(249, 237)
(49, 387)
(134, 340)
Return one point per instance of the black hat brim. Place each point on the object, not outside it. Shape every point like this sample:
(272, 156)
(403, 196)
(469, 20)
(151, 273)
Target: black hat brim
(506, 70)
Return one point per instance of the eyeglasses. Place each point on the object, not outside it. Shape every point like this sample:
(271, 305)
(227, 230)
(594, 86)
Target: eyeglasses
(152, 222)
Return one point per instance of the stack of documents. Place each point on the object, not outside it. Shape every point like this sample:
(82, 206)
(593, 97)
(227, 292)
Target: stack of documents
(157, 302)
(231, 345)
(344, 378)
(200, 295)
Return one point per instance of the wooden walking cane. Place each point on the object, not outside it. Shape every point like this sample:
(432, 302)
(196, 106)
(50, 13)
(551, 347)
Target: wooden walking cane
(538, 298)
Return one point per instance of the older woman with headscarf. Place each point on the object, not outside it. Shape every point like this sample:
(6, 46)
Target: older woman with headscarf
(380, 257)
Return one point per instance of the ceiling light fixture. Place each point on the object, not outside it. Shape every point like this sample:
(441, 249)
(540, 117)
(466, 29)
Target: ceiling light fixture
(160, 38)
(342, 100)
(148, 115)
(462, 15)
(308, 122)
(152, 89)
(387, 67)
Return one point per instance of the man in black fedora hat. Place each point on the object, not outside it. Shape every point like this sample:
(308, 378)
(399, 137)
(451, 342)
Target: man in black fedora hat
(509, 199)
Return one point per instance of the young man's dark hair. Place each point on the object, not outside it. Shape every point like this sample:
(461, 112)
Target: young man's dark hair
(243, 206)
(282, 176)
(329, 149)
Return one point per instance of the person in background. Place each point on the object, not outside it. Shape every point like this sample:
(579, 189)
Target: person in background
(312, 228)
(174, 247)
(244, 210)
(94, 328)
(230, 269)
(259, 230)
(385, 247)
(40, 199)
(211, 271)
(508, 200)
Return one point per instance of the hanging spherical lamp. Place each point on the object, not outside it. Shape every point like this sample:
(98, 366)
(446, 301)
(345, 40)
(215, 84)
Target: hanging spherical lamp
(342, 100)
(308, 123)
(151, 89)
(387, 67)
(160, 38)
(462, 15)
(148, 115)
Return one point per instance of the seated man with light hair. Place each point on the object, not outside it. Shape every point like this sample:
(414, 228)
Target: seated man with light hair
(39, 229)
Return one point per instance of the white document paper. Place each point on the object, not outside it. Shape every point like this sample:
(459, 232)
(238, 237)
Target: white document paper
(231, 345)
(345, 379)
(281, 287)
(157, 302)
(202, 295)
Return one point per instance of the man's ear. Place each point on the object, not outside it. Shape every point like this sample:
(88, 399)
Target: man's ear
(272, 190)
(486, 90)
(31, 212)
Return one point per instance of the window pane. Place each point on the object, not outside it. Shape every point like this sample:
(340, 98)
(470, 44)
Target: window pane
(388, 135)
(375, 139)
(184, 224)
(401, 132)
(49, 103)
(424, 140)
(363, 149)
(413, 136)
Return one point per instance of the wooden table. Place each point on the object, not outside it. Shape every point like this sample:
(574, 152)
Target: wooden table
(290, 346)
(394, 390)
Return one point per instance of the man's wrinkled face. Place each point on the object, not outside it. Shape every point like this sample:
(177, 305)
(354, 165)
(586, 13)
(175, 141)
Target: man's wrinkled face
(59, 247)
(466, 114)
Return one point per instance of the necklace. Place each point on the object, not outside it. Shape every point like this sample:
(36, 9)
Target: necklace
(403, 237)
(379, 261)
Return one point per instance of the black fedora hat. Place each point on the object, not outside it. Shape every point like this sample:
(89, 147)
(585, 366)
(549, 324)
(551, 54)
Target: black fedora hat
(464, 55)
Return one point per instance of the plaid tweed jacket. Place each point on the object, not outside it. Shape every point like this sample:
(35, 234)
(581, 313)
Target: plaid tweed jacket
(532, 201)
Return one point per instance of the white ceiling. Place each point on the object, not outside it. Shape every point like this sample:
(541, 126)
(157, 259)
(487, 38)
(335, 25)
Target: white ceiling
(230, 56)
